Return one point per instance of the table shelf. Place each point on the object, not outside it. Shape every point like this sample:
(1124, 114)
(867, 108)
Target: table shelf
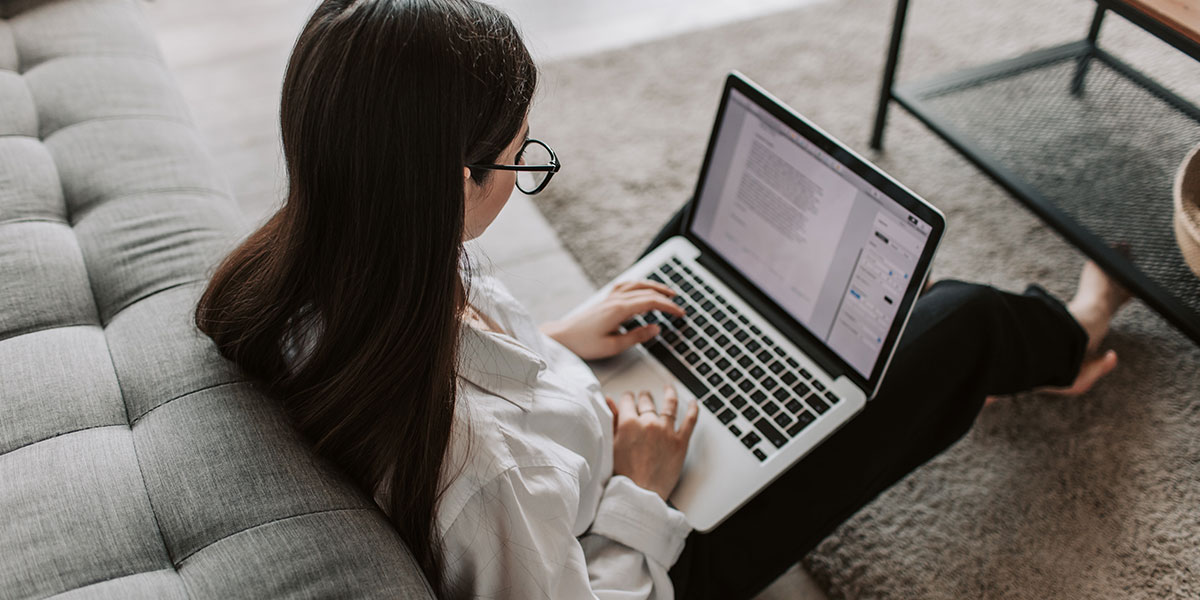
(1087, 143)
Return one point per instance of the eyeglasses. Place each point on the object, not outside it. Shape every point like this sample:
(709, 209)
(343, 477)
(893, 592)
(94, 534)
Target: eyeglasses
(536, 165)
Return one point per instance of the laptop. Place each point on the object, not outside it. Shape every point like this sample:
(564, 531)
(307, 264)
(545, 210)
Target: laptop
(798, 266)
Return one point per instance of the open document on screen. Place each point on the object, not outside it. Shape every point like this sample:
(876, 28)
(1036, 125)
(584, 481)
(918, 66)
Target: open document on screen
(820, 241)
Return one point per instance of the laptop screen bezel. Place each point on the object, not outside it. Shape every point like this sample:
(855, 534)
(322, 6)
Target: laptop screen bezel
(818, 349)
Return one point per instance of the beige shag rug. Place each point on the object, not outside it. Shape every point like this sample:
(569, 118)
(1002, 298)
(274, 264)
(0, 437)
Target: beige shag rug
(1097, 497)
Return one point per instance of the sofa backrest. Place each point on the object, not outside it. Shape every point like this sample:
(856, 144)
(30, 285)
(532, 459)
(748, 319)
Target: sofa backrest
(134, 460)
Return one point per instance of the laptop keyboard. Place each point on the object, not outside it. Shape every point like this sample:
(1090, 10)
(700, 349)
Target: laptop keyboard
(752, 385)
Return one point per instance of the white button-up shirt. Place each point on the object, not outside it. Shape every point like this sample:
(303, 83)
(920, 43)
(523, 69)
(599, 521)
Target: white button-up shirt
(532, 509)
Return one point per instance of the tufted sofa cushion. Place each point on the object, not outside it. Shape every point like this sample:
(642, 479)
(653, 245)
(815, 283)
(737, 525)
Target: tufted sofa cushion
(134, 461)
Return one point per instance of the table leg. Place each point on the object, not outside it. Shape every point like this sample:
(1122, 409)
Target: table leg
(1081, 67)
(889, 74)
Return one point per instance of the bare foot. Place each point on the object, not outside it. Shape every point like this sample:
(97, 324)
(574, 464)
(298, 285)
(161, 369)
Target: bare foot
(1089, 373)
(1096, 301)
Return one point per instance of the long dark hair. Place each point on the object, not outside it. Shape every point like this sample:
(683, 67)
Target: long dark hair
(346, 305)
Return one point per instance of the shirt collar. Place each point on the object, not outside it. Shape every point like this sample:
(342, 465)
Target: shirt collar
(499, 364)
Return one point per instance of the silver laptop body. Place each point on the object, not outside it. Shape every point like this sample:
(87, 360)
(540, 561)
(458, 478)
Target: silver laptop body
(799, 266)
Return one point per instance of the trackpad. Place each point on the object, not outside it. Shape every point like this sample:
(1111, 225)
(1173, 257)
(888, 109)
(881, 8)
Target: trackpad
(646, 375)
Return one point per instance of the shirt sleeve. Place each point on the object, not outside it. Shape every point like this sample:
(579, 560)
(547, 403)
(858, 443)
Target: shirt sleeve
(513, 539)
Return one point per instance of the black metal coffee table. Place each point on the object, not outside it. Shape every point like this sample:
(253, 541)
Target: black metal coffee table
(1066, 131)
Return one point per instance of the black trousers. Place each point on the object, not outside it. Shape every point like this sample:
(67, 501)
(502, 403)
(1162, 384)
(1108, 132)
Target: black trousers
(963, 343)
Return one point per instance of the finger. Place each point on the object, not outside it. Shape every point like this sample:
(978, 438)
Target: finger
(644, 302)
(670, 403)
(689, 420)
(612, 408)
(646, 284)
(620, 342)
(627, 410)
(645, 403)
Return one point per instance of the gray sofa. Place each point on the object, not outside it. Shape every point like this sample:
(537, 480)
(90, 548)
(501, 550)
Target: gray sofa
(134, 461)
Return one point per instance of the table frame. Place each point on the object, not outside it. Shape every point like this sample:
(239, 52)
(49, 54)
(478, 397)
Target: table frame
(1084, 51)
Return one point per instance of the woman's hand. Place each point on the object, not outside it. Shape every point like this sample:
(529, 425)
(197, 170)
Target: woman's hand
(646, 446)
(594, 334)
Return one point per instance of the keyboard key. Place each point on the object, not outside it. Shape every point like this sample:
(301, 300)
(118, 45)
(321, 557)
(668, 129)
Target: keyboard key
(782, 419)
(707, 305)
(759, 454)
(697, 295)
(686, 287)
(691, 358)
(703, 368)
(758, 397)
(805, 374)
(723, 364)
(794, 406)
(734, 375)
(801, 389)
(751, 439)
(750, 412)
(806, 417)
(726, 416)
(713, 404)
(767, 341)
(776, 367)
(752, 346)
(770, 384)
(741, 335)
(654, 277)
(678, 299)
(738, 401)
(743, 320)
(817, 385)
(721, 340)
(757, 372)
(789, 378)
(780, 352)
(764, 356)
(768, 430)
(719, 315)
(677, 369)
(782, 394)
(714, 380)
(711, 331)
(729, 325)
(727, 390)
(817, 404)
(802, 421)
(833, 399)
(709, 289)
(792, 363)
(734, 351)
(770, 408)
(745, 385)
(700, 343)
(755, 330)
(746, 361)
(735, 430)
(711, 353)
(700, 320)
(720, 299)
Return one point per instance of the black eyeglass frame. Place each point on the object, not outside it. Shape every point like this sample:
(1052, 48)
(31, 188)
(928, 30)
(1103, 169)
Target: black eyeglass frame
(549, 169)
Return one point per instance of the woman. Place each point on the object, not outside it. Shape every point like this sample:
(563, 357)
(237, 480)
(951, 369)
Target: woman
(487, 442)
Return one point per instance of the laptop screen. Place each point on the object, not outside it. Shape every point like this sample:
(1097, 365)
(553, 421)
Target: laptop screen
(824, 244)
